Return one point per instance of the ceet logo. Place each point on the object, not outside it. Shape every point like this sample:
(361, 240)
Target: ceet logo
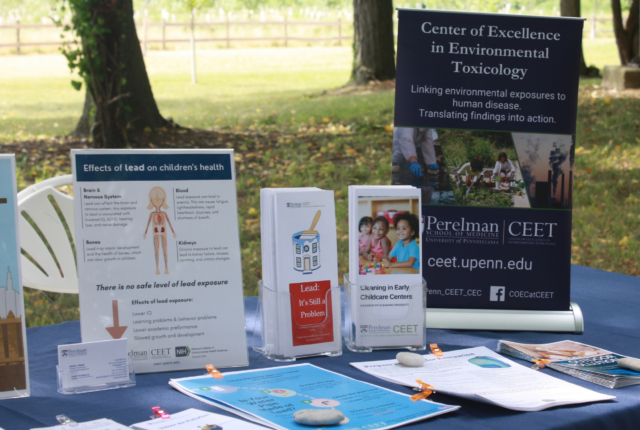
(182, 351)
(405, 328)
(161, 351)
(497, 294)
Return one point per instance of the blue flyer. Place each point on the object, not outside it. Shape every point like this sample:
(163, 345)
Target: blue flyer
(271, 397)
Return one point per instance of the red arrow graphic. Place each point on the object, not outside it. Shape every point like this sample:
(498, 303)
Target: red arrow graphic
(116, 331)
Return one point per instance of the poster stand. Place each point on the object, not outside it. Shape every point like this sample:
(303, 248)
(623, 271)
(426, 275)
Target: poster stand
(392, 319)
(569, 321)
(97, 387)
(270, 326)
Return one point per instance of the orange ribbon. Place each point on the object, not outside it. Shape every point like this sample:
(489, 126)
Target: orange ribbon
(539, 364)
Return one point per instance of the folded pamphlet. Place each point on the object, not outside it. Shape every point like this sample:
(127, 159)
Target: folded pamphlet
(301, 295)
(576, 359)
(385, 266)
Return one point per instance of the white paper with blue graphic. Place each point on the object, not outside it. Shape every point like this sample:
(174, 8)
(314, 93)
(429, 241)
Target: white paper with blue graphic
(14, 372)
(272, 396)
(159, 255)
(482, 375)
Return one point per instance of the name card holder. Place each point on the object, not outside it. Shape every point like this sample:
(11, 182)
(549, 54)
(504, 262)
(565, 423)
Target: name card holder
(130, 382)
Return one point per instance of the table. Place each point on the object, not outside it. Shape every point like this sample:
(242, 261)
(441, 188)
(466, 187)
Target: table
(609, 301)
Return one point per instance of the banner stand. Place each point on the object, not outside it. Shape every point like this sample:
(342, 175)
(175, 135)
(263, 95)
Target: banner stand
(570, 321)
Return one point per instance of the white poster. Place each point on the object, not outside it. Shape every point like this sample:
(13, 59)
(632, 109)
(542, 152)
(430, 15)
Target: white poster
(159, 255)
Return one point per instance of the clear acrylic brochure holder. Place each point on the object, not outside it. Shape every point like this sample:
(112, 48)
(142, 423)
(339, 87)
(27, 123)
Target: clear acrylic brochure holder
(369, 328)
(98, 387)
(274, 326)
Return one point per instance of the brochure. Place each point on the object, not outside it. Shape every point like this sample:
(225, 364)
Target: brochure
(271, 396)
(385, 266)
(159, 255)
(14, 371)
(576, 359)
(482, 375)
(194, 419)
(300, 271)
(485, 120)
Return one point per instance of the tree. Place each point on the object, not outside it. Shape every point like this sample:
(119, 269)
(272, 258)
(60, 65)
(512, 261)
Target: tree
(626, 36)
(572, 8)
(106, 53)
(373, 51)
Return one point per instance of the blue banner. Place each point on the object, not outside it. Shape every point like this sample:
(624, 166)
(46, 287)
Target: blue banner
(485, 120)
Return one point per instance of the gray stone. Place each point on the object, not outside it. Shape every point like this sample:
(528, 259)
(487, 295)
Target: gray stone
(620, 77)
(318, 417)
(629, 363)
(410, 359)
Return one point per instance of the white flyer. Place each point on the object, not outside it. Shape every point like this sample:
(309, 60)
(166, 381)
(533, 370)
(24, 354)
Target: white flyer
(93, 363)
(101, 424)
(385, 266)
(194, 419)
(159, 255)
(482, 375)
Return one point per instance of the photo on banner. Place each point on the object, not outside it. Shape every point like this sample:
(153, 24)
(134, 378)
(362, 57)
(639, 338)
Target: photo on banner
(485, 119)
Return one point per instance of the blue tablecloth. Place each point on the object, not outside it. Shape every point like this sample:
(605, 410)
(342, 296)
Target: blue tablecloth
(609, 301)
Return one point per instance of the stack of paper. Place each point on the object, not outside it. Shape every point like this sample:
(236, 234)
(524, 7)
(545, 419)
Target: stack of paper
(194, 419)
(385, 266)
(482, 375)
(576, 359)
(301, 295)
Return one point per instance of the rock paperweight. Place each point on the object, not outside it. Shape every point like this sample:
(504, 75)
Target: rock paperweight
(318, 417)
(629, 363)
(410, 359)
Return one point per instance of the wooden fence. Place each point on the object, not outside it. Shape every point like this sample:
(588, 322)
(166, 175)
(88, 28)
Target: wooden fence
(227, 25)
(590, 27)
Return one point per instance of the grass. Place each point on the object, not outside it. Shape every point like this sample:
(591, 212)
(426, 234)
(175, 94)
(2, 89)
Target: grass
(280, 110)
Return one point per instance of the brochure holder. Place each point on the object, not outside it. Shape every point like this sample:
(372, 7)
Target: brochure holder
(98, 387)
(271, 323)
(412, 314)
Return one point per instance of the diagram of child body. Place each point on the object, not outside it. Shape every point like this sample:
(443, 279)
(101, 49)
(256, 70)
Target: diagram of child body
(159, 218)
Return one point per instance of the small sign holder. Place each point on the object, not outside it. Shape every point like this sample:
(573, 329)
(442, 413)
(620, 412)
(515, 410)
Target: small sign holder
(97, 387)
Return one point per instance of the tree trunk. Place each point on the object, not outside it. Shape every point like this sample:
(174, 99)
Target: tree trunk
(373, 45)
(83, 128)
(572, 8)
(117, 80)
(626, 37)
(140, 108)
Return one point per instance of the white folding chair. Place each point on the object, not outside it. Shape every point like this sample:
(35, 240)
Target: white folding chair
(53, 267)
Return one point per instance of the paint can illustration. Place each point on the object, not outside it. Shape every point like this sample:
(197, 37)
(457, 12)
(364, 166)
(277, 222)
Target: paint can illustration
(306, 249)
